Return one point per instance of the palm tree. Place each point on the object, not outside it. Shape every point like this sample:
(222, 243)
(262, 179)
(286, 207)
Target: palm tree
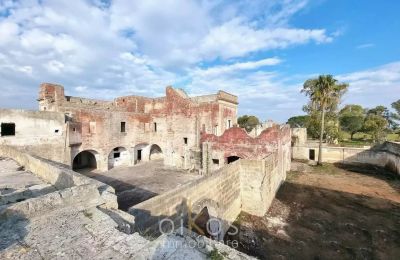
(325, 93)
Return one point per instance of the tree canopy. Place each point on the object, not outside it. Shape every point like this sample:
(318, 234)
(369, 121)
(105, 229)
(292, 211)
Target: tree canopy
(298, 121)
(248, 122)
(352, 119)
(324, 93)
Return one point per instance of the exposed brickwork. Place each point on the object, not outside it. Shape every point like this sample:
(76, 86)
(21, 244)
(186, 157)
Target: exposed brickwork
(173, 122)
(236, 142)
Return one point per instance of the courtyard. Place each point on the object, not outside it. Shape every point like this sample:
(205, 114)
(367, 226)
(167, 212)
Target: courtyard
(327, 212)
(138, 183)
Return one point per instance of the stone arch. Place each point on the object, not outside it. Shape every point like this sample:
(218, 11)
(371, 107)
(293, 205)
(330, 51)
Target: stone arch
(119, 156)
(156, 153)
(208, 218)
(85, 160)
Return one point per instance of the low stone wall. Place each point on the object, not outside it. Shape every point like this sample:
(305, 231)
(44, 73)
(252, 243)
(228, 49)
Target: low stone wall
(220, 193)
(384, 155)
(54, 173)
(72, 187)
(248, 185)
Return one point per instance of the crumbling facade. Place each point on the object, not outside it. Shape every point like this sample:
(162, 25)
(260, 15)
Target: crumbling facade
(194, 133)
(106, 134)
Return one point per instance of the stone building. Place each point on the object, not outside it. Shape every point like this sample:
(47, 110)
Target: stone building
(104, 134)
(198, 134)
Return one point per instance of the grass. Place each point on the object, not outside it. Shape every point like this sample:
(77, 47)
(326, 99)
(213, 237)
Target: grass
(363, 139)
(215, 255)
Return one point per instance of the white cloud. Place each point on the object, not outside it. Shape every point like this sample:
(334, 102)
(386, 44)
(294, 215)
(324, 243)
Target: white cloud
(105, 49)
(173, 38)
(236, 39)
(365, 46)
(8, 32)
(372, 87)
(239, 66)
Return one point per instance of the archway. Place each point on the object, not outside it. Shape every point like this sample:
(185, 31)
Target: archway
(85, 160)
(205, 214)
(231, 159)
(156, 152)
(119, 156)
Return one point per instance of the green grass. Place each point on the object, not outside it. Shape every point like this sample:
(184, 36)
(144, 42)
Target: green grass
(215, 255)
(363, 139)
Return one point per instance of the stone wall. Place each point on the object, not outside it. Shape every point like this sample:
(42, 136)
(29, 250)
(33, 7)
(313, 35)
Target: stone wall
(173, 123)
(61, 177)
(385, 155)
(236, 143)
(248, 185)
(39, 132)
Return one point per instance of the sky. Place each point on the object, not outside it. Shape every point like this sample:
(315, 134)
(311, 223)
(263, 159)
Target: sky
(261, 51)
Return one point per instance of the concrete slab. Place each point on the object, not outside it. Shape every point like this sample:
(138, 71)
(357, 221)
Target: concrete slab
(141, 182)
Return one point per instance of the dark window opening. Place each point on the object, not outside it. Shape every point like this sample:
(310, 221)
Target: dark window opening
(231, 159)
(155, 127)
(117, 155)
(74, 129)
(139, 155)
(215, 161)
(68, 98)
(311, 154)
(56, 131)
(229, 123)
(122, 127)
(7, 129)
(185, 140)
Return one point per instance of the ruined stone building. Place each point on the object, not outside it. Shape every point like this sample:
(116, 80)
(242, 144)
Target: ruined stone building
(45, 153)
(104, 134)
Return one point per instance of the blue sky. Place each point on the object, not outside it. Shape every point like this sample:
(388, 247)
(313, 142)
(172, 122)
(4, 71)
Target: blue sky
(261, 51)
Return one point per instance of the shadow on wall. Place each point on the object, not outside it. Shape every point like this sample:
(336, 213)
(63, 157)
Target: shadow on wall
(386, 156)
(314, 223)
(12, 227)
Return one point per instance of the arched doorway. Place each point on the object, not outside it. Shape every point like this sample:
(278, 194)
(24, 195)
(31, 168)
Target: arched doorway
(85, 160)
(156, 152)
(119, 156)
(231, 159)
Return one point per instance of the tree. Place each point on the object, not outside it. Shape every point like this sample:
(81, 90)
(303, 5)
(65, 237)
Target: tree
(375, 125)
(396, 106)
(298, 121)
(396, 115)
(324, 93)
(385, 113)
(248, 122)
(352, 119)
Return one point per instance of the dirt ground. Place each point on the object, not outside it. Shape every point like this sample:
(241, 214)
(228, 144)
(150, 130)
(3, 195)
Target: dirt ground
(141, 182)
(327, 212)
